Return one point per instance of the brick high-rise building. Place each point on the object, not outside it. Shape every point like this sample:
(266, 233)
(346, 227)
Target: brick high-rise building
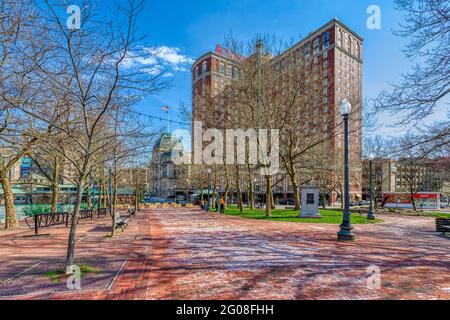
(338, 51)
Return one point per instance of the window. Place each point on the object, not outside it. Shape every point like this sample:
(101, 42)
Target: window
(196, 72)
(204, 67)
(316, 46)
(228, 71)
(299, 55)
(339, 40)
(349, 44)
(326, 40)
(222, 68)
(307, 51)
(236, 73)
(357, 50)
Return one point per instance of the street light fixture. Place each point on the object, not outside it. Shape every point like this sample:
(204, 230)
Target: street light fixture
(345, 232)
(209, 187)
(370, 214)
(254, 192)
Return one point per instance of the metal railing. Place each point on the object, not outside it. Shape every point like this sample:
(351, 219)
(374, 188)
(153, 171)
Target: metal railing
(45, 220)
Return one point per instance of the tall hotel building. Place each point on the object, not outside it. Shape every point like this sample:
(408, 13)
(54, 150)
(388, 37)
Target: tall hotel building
(338, 50)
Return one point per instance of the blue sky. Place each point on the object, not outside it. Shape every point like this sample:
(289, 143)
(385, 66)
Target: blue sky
(184, 30)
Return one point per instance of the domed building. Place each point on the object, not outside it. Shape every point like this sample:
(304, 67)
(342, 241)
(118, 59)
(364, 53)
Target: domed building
(164, 173)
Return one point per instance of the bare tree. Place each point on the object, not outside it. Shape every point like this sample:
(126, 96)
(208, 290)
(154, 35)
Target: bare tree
(427, 28)
(89, 72)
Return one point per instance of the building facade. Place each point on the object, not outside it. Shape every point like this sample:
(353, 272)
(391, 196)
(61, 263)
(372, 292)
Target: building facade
(164, 174)
(336, 51)
(389, 175)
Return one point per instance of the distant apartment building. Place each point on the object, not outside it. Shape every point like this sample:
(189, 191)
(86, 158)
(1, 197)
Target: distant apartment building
(335, 50)
(390, 175)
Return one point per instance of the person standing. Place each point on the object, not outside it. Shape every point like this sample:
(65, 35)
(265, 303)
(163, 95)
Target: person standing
(222, 205)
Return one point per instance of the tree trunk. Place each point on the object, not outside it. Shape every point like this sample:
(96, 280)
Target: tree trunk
(239, 195)
(213, 204)
(252, 195)
(273, 199)
(412, 199)
(73, 228)
(225, 196)
(324, 201)
(55, 192)
(10, 211)
(268, 196)
(296, 192)
(136, 200)
(88, 197)
(100, 195)
(55, 185)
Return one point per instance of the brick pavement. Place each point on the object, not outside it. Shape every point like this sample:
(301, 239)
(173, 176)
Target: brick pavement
(186, 254)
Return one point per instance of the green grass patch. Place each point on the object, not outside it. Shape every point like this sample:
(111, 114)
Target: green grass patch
(420, 213)
(328, 216)
(436, 214)
(58, 274)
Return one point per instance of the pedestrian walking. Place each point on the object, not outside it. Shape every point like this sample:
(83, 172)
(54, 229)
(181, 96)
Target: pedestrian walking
(222, 205)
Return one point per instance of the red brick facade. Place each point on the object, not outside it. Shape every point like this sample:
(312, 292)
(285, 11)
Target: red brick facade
(335, 50)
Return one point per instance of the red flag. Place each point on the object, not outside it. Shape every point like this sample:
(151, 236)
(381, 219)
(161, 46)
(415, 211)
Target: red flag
(165, 108)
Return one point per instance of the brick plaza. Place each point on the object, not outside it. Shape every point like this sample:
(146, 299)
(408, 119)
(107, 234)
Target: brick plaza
(180, 253)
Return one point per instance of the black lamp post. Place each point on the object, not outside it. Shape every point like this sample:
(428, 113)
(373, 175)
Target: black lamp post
(209, 187)
(254, 193)
(345, 232)
(370, 214)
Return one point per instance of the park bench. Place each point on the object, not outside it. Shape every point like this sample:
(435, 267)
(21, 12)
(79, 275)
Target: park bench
(120, 222)
(443, 225)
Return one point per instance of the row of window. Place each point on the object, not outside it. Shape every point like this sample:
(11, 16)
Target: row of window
(229, 71)
(345, 41)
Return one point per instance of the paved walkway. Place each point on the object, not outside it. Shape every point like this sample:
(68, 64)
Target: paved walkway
(186, 254)
(122, 260)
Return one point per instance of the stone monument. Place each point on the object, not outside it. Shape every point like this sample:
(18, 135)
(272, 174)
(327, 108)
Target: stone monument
(310, 202)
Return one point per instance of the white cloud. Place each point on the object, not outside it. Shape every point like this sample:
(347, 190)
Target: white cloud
(157, 59)
(170, 55)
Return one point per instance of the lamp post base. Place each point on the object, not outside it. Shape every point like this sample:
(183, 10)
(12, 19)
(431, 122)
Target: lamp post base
(346, 234)
(370, 216)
